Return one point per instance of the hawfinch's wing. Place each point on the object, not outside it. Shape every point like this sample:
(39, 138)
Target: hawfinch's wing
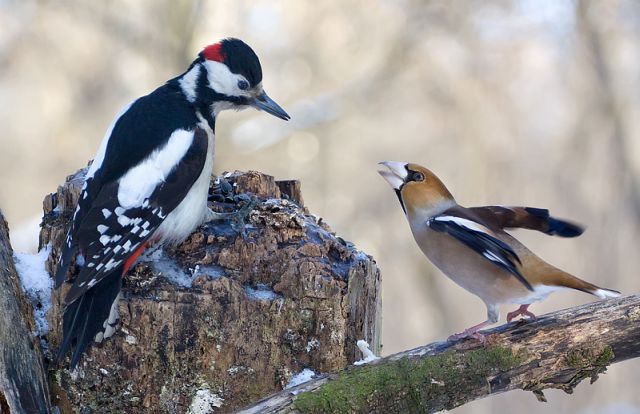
(480, 239)
(527, 218)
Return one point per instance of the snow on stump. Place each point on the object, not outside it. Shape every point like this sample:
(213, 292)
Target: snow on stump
(220, 321)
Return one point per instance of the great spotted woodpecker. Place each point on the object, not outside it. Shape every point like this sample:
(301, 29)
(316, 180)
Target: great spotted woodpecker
(148, 183)
(471, 246)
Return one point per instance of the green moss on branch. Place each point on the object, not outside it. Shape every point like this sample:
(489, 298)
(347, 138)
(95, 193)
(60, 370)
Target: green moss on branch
(410, 380)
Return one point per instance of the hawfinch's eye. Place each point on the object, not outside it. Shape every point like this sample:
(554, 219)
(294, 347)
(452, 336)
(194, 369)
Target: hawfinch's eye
(243, 84)
(417, 176)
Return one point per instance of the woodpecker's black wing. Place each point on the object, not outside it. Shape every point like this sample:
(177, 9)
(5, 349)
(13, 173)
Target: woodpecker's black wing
(136, 132)
(70, 246)
(480, 239)
(122, 217)
(527, 218)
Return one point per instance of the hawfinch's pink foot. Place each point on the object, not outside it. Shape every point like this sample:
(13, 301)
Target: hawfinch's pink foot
(522, 310)
(471, 333)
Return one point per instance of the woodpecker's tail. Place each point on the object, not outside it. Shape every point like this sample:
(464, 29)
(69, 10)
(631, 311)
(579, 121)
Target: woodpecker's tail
(90, 317)
(564, 279)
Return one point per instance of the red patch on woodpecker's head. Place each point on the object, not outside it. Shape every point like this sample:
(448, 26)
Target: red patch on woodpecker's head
(214, 52)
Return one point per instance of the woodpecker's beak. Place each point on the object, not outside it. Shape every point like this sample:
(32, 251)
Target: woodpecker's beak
(396, 174)
(264, 103)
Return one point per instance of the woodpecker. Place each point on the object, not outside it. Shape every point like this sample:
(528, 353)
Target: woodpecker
(471, 246)
(149, 182)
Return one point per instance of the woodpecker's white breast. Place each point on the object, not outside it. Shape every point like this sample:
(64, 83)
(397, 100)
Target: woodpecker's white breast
(192, 211)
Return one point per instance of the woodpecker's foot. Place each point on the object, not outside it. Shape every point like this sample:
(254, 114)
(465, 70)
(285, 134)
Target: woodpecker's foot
(247, 203)
(522, 310)
(238, 218)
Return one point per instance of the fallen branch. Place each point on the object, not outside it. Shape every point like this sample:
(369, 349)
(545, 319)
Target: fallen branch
(558, 350)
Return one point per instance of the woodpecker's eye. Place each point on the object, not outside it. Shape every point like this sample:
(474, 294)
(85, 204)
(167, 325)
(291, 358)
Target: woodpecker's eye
(417, 176)
(243, 85)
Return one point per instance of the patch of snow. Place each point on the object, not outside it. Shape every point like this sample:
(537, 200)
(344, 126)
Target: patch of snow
(261, 292)
(312, 344)
(300, 378)
(204, 402)
(168, 268)
(367, 355)
(37, 284)
(212, 272)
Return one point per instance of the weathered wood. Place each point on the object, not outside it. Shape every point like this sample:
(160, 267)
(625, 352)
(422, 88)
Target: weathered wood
(290, 296)
(558, 350)
(23, 383)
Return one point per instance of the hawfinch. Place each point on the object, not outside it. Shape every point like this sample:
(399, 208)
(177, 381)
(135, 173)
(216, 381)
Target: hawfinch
(471, 246)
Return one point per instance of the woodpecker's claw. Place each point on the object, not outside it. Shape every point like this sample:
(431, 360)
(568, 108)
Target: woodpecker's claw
(237, 218)
(238, 221)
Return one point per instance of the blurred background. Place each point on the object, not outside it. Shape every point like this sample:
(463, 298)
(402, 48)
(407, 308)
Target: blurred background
(532, 102)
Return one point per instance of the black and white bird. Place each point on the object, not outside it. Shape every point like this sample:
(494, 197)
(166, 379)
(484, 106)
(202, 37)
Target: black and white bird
(149, 182)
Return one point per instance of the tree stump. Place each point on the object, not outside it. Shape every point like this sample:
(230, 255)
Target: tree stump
(221, 320)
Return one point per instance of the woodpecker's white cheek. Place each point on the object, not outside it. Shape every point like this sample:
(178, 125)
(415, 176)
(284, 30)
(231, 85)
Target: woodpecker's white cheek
(222, 80)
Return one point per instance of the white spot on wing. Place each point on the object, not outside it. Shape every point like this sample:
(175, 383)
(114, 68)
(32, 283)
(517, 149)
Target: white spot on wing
(469, 224)
(106, 213)
(494, 258)
(104, 240)
(124, 220)
(102, 228)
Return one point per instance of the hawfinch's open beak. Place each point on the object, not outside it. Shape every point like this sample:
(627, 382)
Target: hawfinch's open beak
(264, 103)
(396, 174)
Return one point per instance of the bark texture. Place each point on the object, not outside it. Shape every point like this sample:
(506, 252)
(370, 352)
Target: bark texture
(558, 350)
(23, 382)
(221, 320)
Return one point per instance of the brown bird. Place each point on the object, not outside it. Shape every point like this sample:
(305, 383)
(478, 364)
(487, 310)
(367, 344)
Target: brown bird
(471, 246)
